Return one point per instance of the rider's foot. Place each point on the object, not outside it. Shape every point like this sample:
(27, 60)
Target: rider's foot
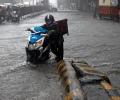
(57, 59)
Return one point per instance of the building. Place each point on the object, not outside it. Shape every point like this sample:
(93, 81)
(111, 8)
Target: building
(67, 4)
(83, 5)
(74, 4)
(10, 1)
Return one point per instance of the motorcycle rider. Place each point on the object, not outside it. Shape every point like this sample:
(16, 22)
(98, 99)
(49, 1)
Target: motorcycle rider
(55, 38)
(8, 14)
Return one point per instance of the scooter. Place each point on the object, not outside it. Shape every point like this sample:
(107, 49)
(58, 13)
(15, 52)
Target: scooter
(37, 49)
(15, 16)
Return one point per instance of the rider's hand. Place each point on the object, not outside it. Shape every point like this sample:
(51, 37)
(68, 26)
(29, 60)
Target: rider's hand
(46, 36)
(30, 30)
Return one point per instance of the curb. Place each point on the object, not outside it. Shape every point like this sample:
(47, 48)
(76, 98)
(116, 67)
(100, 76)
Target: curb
(73, 90)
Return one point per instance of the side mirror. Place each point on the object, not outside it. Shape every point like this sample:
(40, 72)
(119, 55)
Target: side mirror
(28, 29)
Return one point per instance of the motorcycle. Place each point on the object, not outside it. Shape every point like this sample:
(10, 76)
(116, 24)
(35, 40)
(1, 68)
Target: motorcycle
(15, 16)
(37, 49)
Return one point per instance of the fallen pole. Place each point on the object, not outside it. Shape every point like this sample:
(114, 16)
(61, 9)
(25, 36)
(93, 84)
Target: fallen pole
(83, 69)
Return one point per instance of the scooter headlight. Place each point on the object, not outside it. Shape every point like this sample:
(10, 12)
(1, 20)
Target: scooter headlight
(16, 15)
(14, 12)
(31, 47)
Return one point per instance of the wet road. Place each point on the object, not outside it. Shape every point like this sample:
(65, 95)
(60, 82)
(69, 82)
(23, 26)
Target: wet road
(92, 40)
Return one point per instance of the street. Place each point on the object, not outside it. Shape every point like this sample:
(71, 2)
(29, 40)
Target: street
(93, 40)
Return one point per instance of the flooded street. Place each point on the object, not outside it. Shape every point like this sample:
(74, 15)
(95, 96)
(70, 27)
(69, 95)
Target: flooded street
(93, 40)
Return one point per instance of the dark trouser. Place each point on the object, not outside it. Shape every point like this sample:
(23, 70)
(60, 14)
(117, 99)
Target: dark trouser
(57, 48)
